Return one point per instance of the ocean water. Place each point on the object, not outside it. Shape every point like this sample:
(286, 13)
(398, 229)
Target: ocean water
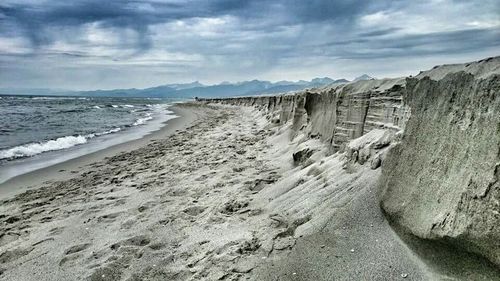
(32, 127)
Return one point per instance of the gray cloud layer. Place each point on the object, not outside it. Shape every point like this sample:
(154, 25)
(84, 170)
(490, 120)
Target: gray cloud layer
(106, 44)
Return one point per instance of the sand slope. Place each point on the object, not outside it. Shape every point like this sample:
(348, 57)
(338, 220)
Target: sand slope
(442, 174)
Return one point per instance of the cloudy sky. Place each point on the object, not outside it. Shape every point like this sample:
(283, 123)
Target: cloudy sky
(91, 44)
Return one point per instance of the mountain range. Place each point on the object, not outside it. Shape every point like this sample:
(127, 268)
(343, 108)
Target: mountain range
(194, 89)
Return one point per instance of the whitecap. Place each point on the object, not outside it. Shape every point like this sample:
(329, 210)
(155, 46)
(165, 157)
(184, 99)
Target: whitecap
(115, 130)
(32, 149)
(143, 120)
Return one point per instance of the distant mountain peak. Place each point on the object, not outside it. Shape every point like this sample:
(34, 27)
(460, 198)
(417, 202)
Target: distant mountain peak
(339, 81)
(324, 80)
(364, 77)
(197, 89)
(182, 86)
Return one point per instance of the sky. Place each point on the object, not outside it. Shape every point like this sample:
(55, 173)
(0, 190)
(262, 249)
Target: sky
(96, 44)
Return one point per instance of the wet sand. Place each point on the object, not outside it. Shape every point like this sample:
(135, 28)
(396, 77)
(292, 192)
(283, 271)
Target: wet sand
(68, 169)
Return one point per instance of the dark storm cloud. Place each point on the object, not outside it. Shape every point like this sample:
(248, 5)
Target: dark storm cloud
(201, 39)
(366, 47)
(379, 32)
(33, 20)
(318, 10)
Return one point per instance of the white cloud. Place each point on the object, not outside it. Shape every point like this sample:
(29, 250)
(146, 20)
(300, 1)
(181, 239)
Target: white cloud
(14, 46)
(378, 18)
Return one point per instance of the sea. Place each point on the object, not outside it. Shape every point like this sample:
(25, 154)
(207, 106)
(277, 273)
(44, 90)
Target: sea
(39, 131)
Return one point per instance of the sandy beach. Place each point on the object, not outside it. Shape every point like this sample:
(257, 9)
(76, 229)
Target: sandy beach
(219, 194)
(177, 206)
(67, 169)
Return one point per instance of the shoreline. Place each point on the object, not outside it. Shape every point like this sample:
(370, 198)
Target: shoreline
(69, 168)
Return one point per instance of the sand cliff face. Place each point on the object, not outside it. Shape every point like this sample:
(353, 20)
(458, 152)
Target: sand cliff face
(440, 178)
(442, 181)
(339, 114)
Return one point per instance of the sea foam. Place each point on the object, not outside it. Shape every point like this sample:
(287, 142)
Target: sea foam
(32, 149)
(141, 121)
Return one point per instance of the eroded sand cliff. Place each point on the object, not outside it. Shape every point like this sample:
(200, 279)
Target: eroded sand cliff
(436, 136)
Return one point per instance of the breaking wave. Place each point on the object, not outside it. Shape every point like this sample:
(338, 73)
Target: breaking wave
(32, 149)
(141, 121)
(115, 130)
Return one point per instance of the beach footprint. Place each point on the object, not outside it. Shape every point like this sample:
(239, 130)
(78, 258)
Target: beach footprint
(109, 217)
(194, 210)
(73, 253)
(138, 241)
(76, 248)
(12, 255)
